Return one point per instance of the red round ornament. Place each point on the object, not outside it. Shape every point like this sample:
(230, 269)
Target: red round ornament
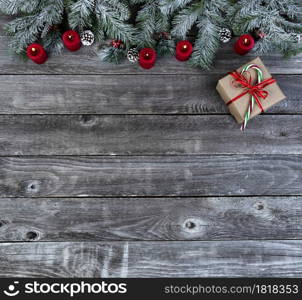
(184, 50)
(147, 58)
(72, 40)
(244, 44)
(36, 53)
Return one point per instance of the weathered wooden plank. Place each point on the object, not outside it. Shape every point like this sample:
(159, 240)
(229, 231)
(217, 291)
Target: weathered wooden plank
(148, 135)
(112, 94)
(86, 61)
(90, 219)
(152, 259)
(206, 175)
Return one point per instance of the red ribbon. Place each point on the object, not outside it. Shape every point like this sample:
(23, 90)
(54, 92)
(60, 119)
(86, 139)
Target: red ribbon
(257, 91)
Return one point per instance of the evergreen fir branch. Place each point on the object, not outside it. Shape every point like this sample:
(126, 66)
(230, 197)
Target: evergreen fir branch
(290, 26)
(153, 27)
(209, 16)
(293, 52)
(146, 24)
(53, 42)
(139, 1)
(13, 7)
(112, 55)
(186, 18)
(30, 28)
(22, 31)
(279, 20)
(102, 17)
(165, 47)
(112, 24)
(121, 8)
(170, 6)
(80, 14)
(162, 21)
(288, 7)
(206, 44)
(98, 31)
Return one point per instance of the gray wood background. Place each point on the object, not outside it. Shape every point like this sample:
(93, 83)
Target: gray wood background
(114, 171)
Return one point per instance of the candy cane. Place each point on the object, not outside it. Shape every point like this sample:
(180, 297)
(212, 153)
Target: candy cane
(252, 100)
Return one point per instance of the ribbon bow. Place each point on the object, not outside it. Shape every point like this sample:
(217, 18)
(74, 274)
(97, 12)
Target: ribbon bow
(256, 91)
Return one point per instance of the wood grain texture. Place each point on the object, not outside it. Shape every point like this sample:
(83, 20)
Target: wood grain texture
(91, 219)
(86, 61)
(122, 94)
(206, 175)
(147, 135)
(152, 259)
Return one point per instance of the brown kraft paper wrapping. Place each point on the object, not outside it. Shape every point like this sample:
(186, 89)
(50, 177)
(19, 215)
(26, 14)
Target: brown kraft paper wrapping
(239, 108)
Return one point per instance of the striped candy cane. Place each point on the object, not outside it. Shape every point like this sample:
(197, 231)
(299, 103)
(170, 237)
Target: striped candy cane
(252, 100)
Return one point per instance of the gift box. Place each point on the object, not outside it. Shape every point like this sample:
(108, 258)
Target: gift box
(249, 91)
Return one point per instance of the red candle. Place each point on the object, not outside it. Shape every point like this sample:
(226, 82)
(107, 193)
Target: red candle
(36, 53)
(184, 50)
(244, 44)
(147, 58)
(72, 40)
